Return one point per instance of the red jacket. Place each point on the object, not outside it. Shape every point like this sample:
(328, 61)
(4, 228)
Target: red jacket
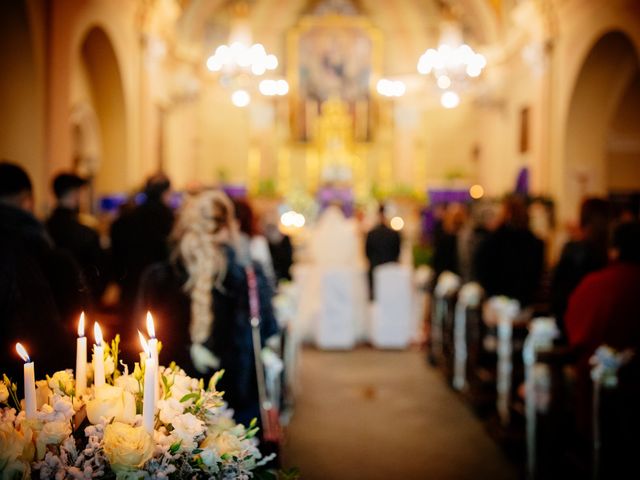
(605, 309)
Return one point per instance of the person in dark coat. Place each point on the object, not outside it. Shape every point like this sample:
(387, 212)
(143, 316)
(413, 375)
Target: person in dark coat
(41, 289)
(511, 260)
(445, 247)
(281, 251)
(382, 246)
(68, 234)
(200, 300)
(139, 238)
(581, 256)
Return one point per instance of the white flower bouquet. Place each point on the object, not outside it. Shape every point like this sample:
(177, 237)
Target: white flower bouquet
(99, 433)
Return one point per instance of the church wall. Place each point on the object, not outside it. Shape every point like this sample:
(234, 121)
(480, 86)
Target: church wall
(22, 59)
(224, 137)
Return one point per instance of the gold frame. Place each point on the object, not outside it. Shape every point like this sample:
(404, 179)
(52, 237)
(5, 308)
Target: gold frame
(309, 22)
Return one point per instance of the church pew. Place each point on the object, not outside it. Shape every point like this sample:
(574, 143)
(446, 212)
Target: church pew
(441, 324)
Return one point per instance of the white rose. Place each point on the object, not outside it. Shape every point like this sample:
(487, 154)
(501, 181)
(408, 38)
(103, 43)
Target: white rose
(210, 458)
(59, 409)
(111, 402)
(225, 444)
(182, 385)
(109, 366)
(4, 393)
(169, 410)
(221, 424)
(11, 444)
(128, 383)
(52, 433)
(187, 428)
(16, 470)
(43, 392)
(62, 382)
(127, 448)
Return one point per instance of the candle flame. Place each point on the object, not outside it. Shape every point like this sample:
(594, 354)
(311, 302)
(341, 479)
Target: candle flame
(22, 352)
(97, 333)
(81, 325)
(150, 326)
(143, 342)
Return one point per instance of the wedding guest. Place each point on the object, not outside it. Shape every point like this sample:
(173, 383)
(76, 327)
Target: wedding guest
(511, 260)
(41, 289)
(445, 247)
(201, 301)
(281, 251)
(251, 245)
(139, 238)
(604, 310)
(382, 246)
(69, 234)
(581, 256)
(472, 234)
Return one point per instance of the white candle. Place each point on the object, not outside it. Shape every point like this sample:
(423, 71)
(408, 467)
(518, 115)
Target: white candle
(153, 349)
(98, 357)
(81, 359)
(149, 394)
(29, 382)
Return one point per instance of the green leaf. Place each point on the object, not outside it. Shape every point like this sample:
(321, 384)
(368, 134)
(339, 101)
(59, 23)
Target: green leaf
(215, 378)
(165, 382)
(173, 449)
(291, 474)
(190, 396)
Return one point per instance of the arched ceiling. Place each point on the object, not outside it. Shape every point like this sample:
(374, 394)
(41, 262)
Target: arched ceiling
(408, 27)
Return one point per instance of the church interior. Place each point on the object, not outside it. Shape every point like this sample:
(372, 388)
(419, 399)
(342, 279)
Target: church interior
(328, 117)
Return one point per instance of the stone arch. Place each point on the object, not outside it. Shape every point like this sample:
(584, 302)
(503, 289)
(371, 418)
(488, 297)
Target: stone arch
(605, 76)
(99, 81)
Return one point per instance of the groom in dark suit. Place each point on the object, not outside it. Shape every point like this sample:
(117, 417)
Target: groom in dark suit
(382, 246)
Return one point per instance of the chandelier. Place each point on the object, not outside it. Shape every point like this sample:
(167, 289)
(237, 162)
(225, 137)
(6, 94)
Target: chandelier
(240, 63)
(239, 57)
(452, 65)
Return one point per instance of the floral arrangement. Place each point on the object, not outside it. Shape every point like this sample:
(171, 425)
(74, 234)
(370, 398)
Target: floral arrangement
(99, 433)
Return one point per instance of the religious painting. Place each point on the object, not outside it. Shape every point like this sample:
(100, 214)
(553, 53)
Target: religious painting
(332, 57)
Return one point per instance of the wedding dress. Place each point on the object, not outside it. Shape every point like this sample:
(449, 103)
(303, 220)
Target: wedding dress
(333, 288)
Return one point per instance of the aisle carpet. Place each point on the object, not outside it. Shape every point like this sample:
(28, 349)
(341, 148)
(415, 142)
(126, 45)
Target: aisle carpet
(373, 415)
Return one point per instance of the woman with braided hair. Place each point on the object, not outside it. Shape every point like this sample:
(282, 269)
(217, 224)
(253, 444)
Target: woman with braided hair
(200, 301)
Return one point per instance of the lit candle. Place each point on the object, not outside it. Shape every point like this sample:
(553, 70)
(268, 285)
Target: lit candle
(98, 356)
(153, 349)
(29, 382)
(81, 359)
(149, 395)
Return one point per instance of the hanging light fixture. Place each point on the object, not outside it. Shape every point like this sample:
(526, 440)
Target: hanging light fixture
(239, 62)
(452, 65)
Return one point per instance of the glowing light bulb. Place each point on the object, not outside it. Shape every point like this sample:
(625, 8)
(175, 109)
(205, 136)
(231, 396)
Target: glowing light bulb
(240, 98)
(397, 223)
(476, 192)
(444, 82)
(450, 99)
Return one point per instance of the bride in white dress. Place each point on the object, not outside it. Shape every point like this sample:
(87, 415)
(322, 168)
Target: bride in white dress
(333, 289)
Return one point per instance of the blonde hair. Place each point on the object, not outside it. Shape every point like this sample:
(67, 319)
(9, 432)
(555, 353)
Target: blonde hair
(203, 226)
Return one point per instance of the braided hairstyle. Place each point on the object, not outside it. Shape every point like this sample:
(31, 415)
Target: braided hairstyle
(202, 228)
